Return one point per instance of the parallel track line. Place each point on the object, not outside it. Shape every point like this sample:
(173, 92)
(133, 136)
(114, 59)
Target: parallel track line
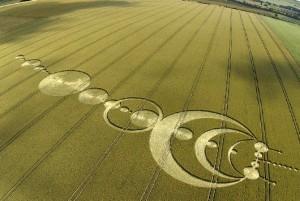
(261, 111)
(212, 192)
(280, 81)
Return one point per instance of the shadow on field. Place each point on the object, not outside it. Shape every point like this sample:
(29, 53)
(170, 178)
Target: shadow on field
(19, 21)
(267, 80)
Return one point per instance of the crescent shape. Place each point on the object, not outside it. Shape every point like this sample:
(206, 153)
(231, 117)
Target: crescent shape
(229, 154)
(200, 147)
(160, 146)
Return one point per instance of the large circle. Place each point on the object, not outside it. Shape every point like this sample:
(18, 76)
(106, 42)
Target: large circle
(93, 96)
(64, 83)
(123, 129)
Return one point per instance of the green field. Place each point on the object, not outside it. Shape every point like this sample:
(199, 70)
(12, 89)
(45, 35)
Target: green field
(289, 35)
(186, 57)
(286, 2)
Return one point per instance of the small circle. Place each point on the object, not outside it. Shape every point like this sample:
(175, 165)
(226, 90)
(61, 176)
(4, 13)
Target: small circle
(31, 63)
(251, 173)
(144, 118)
(212, 144)
(261, 147)
(93, 96)
(255, 164)
(40, 68)
(124, 109)
(64, 83)
(20, 57)
(183, 134)
(258, 155)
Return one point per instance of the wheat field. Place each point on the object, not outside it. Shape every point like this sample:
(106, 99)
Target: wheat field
(181, 55)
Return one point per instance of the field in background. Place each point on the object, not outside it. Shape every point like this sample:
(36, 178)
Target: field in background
(288, 34)
(254, 7)
(4, 2)
(286, 2)
(183, 56)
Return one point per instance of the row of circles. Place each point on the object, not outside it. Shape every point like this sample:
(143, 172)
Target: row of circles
(70, 82)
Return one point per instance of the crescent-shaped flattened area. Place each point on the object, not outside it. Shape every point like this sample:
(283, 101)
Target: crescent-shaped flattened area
(160, 146)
